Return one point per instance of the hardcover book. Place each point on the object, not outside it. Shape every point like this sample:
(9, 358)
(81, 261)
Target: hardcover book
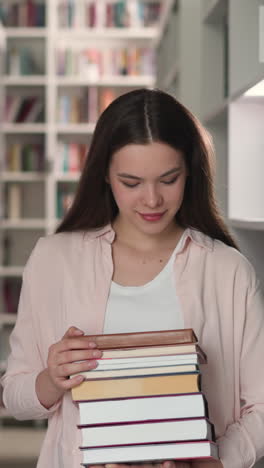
(152, 338)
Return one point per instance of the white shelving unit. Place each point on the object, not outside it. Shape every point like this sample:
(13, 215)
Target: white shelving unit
(50, 132)
(39, 189)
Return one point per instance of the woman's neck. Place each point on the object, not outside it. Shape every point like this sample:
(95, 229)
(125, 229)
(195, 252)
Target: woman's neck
(131, 237)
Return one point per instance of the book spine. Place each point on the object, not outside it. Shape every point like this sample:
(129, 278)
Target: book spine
(14, 201)
(128, 340)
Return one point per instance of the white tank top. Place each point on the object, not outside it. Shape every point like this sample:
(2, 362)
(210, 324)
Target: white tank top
(153, 306)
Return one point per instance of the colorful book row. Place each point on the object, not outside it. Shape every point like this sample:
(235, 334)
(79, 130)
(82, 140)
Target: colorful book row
(108, 14)
(23, 13)
(24, 109)
(84, 106)
(20, 61)
(96, 63)
(71, 157)
(25, 157)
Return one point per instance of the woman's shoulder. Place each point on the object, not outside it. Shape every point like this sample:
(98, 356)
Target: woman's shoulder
(51, 251)
(65, 246)
(55, 243)
(230, 259)
(224, 258)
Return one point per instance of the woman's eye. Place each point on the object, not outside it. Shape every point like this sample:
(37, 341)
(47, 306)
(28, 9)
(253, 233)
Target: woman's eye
(168, 182)
(129, 185)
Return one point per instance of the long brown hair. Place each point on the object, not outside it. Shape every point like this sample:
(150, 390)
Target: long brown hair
(140, 117)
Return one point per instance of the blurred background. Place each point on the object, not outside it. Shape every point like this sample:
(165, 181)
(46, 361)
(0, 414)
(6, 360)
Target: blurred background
(61, 63)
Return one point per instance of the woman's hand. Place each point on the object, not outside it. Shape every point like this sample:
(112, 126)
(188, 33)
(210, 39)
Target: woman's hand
(164, 464)
(207, 464)
(53, 382)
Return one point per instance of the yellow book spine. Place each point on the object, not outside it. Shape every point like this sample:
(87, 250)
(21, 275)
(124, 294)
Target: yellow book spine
(132, 387)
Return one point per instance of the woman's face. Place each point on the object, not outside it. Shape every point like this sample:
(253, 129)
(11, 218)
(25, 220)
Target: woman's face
(148, 183)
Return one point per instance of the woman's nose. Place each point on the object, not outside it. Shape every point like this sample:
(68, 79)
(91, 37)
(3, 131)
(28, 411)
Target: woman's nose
(152, 197)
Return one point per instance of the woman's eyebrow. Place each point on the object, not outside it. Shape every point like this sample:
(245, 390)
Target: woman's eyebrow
(130, 176)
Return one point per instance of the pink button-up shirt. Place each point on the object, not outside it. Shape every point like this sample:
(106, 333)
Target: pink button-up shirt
(67, 281)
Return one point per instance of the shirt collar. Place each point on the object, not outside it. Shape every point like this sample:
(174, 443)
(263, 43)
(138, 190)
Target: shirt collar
(198, 237)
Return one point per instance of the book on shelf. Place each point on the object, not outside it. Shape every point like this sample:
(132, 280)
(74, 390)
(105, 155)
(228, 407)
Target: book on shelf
(84, 107)
(105, 14)
(26, 13)
(192, 405)
(95, 63)
(106, 96)
(65, 197)
(185, 451)
(73, 108)
(70, 157)
(137, 386)
(13, 201)
(25, 109)
(25, 157)
(20, 62)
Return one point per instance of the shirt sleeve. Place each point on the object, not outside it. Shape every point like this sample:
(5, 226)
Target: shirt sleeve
(24, 363)
(243, 443)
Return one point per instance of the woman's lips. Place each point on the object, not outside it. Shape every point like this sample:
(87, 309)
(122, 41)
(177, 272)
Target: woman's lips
(152, 216)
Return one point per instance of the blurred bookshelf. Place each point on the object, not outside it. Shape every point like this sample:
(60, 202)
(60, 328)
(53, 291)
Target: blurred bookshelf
(56, 55)
(224, 88)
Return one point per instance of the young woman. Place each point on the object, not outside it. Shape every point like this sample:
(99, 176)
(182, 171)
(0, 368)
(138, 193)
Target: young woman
(143, 247)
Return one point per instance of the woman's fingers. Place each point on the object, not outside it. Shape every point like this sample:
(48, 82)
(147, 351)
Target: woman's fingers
(73, 331)
(77, 355)
(71, 355)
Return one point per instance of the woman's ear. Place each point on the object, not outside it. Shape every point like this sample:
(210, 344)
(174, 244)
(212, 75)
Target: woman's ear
(107, 179)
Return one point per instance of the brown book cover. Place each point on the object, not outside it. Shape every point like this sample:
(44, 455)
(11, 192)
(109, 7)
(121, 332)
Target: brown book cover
(151, 338)
(136, 386)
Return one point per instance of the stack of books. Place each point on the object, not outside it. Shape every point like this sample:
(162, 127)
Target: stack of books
(143, 402)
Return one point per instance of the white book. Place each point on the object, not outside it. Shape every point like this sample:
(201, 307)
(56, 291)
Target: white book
(100, 13)
(117, 373)
(149, 361)
(146, 432)
(192, 405)
(151, 452)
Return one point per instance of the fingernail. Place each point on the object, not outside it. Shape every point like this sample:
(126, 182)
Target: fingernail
(78, 332)
(92, 344)
(79, 378)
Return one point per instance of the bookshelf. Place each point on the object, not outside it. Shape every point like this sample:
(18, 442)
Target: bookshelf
(45, 135)
(223, 95)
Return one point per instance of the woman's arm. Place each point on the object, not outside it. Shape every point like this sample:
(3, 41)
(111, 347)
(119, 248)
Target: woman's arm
(243, 441)
(25, 362)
